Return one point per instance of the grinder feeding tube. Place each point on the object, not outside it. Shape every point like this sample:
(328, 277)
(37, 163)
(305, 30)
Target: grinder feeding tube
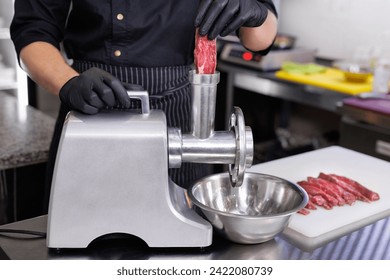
(104, 180)
(203, 144)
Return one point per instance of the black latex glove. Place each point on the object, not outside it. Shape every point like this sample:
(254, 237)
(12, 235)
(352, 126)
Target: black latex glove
(94, 90)
(222, 17)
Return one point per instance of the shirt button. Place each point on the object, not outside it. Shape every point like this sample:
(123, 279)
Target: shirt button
(117, 53)
(120, 17)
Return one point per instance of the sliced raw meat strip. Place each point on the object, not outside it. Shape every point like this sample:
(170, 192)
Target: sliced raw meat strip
(345, 186)
(304, 212)
(371, 195)
(310, 205)
(349, 198)
(205, 54)
(312, 189)
(328, 190)
(327, 187)
(320, 201)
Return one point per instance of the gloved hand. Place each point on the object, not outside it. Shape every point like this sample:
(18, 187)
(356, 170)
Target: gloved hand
(222, 17)
(94, 90)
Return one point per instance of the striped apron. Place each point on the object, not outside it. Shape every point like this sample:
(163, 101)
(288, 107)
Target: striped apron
(169, 90)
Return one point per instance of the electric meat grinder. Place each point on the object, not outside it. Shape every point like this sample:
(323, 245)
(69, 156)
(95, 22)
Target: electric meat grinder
(111, 172)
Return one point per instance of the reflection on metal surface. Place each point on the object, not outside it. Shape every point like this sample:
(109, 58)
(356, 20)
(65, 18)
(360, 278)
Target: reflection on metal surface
(270, 250)
(369, 243)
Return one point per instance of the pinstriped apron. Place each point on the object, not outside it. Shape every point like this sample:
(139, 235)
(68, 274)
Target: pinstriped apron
(169, 90)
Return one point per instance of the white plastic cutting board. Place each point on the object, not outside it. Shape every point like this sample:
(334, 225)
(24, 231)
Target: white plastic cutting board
(322, 226)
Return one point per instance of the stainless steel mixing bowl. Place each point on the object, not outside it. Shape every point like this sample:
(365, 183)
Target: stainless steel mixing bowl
(253, 213)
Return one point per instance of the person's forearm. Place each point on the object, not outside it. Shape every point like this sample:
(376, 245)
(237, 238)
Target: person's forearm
(260, 38)
(46, 66)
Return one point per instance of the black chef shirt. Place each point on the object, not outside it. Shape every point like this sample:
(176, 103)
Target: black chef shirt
(145, 33)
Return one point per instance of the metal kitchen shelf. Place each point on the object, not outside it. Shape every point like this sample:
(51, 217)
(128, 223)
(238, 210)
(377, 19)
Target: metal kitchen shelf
(17, 85)
(4, 33)
(8, 85)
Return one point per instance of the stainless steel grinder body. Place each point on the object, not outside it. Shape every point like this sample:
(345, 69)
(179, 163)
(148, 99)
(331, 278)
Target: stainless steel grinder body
(111, 177)
(111, 172)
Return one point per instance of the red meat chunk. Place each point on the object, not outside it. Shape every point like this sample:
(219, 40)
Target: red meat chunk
(371, 195)
(310, 205)
(313, 189)
(320, 201)
(205, 55)
(328, 190)
(345, 186)
(304, 212)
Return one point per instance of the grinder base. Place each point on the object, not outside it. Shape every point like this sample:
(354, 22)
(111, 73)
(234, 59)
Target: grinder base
(111, 176)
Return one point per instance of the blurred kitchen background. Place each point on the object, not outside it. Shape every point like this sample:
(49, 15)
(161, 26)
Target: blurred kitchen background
(338, 28)
(334, 29)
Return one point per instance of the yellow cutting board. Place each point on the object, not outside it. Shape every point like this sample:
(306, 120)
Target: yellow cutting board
(331, 79)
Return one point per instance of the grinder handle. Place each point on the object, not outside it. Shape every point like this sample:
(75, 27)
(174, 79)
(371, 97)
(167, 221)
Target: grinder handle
(143, 96)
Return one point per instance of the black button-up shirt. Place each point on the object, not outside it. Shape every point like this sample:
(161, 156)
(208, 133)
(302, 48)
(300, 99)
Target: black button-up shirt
(118, 32)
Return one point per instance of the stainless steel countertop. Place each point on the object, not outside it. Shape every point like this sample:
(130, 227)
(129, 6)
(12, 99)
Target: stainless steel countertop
(25, 133)
(369, 243)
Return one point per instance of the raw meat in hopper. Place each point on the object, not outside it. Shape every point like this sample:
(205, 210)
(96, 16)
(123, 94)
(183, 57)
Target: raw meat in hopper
(205, 54)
